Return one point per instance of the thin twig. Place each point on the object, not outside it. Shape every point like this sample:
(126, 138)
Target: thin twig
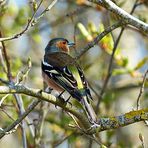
(57, 143)
(9, 75)
(47, 9)
(19, 120)
(141, 89)
(40, 125)
(2, 61)
(7, 114)
(109, 73)
(31, 22)
(74, 119)
(17, 97)
(99, 37)
(92, 137)
(14, 129)
(141, 137)
(111, 6)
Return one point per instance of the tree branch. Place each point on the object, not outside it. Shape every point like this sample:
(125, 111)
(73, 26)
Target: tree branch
(9, 75)
(141, 89)
(123, 120)
(126, 17)
(31, 22)
(20, 89)
(19, 120)
(99, 37)
(106, 123)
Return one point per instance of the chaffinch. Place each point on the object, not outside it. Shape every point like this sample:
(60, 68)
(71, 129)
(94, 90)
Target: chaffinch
(61, 72)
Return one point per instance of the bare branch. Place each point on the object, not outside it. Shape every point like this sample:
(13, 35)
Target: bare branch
(99, 37)
(19, 120)
(5, 55)
(105, 123)
(31, 22)
(126, 17)
(123, 120)
(20, 89)
(141, 89)
(16, 96)
(141, 137)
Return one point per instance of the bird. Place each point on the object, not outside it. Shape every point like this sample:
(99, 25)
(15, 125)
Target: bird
(61, 72)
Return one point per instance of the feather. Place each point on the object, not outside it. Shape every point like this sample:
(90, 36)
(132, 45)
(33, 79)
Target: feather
(67, 74)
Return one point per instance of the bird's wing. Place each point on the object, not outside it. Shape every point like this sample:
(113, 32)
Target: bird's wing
(65, 72)
(63, 69)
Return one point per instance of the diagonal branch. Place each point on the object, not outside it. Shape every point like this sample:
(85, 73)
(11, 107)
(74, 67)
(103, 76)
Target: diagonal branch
(141, 89)
(17, 97)
(106, 123)
(99, 37)
(19, 120)
(20, 89)
(124, 119)
(31, 22)
(9, 75)
(126, 17)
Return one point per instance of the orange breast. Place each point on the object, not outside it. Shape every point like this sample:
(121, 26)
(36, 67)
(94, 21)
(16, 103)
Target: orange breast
(51, 83)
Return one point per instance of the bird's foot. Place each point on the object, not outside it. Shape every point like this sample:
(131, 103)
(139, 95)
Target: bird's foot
(67, 101)
(40, 91)
(60, 98)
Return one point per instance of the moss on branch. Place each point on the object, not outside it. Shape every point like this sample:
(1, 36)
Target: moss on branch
(106, 123)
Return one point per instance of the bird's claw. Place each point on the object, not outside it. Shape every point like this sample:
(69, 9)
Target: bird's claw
(67, 101)
(63, 101)
(40, 91)
(60, 95)
(56, 106)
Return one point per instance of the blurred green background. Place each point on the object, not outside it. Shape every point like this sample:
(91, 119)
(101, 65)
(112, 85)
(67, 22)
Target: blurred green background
(78, 21)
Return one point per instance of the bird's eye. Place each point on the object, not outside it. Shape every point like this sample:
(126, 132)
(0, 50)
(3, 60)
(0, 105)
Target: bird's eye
(64, 42)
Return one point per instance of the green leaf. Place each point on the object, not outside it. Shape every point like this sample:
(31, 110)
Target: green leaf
(84, 31)
(120, 71)
(141, 63)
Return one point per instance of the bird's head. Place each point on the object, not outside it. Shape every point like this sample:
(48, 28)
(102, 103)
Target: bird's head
(58, 45)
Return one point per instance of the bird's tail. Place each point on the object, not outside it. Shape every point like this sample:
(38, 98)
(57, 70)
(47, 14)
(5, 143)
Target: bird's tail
(89, 109)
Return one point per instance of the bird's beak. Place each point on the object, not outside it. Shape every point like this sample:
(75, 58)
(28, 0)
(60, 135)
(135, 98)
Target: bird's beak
(71, 44)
